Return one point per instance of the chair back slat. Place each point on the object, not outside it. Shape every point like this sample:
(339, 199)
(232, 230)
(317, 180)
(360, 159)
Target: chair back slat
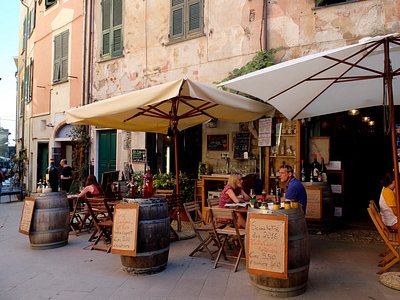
(213, 202)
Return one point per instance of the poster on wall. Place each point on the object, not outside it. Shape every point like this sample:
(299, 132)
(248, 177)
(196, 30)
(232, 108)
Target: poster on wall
(264, 132)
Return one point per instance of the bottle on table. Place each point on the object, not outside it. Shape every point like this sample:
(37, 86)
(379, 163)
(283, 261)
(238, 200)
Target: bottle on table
(315, 168)
(303, 172)
(324, 171)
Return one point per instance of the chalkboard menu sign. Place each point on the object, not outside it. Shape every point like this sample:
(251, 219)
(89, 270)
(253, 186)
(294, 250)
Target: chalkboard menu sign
(217, 142)
(139, 155)
(124, 232)
(241, 144)
(267, 245)
(26, 217)
(314, 203)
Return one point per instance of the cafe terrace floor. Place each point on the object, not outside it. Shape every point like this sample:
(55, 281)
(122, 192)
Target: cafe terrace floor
(339, 269)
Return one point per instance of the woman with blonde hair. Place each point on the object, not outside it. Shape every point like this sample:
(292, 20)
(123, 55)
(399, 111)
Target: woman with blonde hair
(233, 193)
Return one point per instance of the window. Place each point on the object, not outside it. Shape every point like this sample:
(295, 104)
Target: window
(111, 28)
(49, 3)
(61, 57)
(186, 19)
(320, 3)
(27, 83)
(32, 19)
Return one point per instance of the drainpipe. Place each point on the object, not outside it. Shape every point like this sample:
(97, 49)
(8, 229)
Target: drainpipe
(22, 107)
(265, 25)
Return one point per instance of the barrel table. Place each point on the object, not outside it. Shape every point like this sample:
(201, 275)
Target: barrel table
(152, 237)
(298, 260)
(50, 221)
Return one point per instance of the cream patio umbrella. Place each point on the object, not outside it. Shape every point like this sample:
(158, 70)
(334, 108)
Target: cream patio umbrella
(174, 105)
(356, 76)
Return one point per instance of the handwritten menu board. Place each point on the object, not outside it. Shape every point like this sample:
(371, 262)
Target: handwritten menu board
(241, 144)
(125, 225)
(314, 203)
(264, 132)
(217, 142)
(139, 155)
(267, 244)
(26, 217)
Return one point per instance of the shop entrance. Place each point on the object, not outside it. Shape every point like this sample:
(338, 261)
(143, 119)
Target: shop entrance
(365, 154)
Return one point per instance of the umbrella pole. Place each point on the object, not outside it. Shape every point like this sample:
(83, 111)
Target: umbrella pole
(389, 78)
(176, 160)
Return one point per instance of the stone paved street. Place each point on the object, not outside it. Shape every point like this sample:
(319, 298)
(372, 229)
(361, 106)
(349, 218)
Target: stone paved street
(338, 270)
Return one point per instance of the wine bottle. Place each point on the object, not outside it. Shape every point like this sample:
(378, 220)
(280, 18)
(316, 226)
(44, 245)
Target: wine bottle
(315, 168)
(303, 172)
(324, 171)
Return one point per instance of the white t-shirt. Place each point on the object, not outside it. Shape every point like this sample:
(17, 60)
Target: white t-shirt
(388, 217)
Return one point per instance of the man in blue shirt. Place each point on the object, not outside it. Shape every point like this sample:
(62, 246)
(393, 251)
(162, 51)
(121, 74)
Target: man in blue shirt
(295, 190)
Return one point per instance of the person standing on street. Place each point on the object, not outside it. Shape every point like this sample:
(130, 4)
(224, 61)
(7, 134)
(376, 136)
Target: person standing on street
(53, 176)
(66, 175)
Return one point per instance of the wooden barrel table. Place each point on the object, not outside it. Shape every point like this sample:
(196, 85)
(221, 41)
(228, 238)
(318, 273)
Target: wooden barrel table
(152, 238)
(50, 221)
(298, 260)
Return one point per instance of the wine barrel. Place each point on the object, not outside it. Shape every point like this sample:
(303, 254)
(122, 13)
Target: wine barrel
(328, 209)
(152, 238)
(298, 260)
(50, 221)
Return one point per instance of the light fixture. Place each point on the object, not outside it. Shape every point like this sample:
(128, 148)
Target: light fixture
(353, 112)
(371, 123)
(365, 119)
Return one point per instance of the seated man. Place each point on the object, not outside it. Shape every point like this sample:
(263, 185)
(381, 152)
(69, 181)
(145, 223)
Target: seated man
(295, 190)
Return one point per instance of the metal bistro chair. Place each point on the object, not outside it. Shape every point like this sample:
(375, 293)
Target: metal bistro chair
(229, 231)
(200, 226)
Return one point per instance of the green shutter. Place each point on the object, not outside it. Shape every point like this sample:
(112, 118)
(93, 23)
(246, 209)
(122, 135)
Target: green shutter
(117, 28)
(64, 54)
(24, 35)
(57, 58)
(195, 10)
(177, 17)
(106, 11)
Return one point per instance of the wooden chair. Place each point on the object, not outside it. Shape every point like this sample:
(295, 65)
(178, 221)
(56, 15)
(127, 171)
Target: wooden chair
(103, 220)
(163, 193)
(79, 216)
(392, 257)
(229, 231)
(174, 207)
(211, 202)
(200, 226)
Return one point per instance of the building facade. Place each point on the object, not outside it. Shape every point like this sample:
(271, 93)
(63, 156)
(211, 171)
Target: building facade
(118, 46)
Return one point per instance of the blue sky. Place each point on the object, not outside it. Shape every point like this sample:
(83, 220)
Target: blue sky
(9, 32)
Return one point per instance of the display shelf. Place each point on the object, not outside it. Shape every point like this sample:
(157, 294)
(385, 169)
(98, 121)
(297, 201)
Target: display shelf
(285, 149)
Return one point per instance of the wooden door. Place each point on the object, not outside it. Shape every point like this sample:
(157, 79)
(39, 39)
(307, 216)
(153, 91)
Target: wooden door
(107, 152)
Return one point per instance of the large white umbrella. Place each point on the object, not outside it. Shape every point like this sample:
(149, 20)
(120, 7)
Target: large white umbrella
(361, 75)
(175, 105)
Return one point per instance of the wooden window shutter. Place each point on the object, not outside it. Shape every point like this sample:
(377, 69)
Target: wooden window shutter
(24, 35)
(64, 54)
(106, 18)
(177, 18)
(57, 58)
(30, 83)
(195, 15)
(117, 28)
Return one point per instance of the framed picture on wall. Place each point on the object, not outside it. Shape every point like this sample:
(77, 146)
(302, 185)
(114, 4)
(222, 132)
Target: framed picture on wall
(319, 145)
(217, 142)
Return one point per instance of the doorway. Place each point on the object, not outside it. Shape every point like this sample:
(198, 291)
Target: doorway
(107, 152)
(42, 160)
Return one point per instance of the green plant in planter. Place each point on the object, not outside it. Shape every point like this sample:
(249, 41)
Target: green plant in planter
(164, 181)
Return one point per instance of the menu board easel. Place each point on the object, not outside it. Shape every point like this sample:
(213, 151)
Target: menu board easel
(124, 232)
(267, 245)
(314, 203)
(26, 217)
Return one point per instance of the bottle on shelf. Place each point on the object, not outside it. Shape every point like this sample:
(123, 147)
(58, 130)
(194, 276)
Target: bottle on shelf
(315, 168)
(303, 172)
(324, 171)
(311, 176)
